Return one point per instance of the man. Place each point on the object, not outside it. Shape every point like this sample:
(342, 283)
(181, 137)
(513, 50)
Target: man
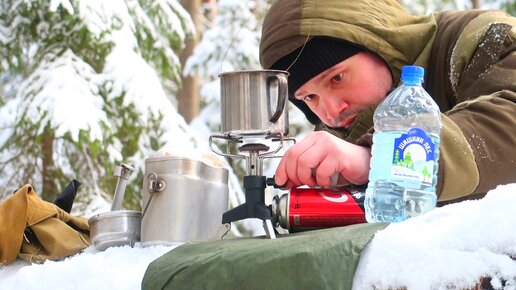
(344, 57)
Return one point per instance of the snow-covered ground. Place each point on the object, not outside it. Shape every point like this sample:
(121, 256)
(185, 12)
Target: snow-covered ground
(453, 246)
(115, 268)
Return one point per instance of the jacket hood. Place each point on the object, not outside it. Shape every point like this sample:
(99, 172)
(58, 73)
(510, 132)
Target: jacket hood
(380, 26)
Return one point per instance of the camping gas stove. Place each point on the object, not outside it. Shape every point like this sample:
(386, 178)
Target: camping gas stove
(255, 183)
(253, 114)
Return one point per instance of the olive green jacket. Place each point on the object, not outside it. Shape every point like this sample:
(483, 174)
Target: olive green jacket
(470, 60)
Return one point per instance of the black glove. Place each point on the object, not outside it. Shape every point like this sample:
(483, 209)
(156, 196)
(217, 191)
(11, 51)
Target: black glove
(65, 199)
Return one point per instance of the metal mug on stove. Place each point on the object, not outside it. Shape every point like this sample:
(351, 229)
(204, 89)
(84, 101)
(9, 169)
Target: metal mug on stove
(183, 200)
(254, 102)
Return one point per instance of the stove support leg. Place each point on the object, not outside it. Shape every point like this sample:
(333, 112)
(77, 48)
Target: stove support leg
(254, 206)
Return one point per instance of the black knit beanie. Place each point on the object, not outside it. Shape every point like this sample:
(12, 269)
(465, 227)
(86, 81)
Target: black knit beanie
(318, 55)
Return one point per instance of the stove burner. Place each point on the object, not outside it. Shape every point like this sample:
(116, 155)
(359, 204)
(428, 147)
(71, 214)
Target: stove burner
(254, 182)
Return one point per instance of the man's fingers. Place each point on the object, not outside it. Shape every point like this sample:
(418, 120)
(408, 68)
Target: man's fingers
(290, 160)
(321, 159)
(308, 163)
(338, 180)
(305, 175)
(280, 177)
(328, 171)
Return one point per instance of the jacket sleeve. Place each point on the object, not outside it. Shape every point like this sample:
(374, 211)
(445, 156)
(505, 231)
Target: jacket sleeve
(479, 133)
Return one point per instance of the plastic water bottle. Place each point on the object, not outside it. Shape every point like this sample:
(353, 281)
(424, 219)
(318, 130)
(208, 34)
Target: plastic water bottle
(405, 152)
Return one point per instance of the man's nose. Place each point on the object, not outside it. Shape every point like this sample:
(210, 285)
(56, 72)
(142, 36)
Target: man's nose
(333, 106)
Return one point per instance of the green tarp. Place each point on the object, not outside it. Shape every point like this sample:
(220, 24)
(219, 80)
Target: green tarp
(320, 259)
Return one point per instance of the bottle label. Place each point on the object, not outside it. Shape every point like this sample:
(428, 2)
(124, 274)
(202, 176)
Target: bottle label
(413, 158)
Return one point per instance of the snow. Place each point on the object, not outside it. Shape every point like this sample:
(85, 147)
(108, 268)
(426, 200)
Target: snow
(63, 90)
(230, 45)
(51, 82)
(115, 268)
(453, 246)
(63, 3)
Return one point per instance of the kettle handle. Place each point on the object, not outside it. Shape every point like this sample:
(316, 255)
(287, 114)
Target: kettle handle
(282, 96)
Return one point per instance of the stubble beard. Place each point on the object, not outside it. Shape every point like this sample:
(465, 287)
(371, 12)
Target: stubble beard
(337, 123)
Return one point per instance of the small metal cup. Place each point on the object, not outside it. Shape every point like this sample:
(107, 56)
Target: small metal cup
(254, 102)
(115, 228)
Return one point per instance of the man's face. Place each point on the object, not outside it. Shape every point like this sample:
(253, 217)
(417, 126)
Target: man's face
(340, 93)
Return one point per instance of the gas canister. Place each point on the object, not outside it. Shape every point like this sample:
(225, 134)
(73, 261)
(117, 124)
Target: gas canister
(313, 208)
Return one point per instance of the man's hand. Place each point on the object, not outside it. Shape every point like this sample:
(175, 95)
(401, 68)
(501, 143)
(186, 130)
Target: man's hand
(318, 157)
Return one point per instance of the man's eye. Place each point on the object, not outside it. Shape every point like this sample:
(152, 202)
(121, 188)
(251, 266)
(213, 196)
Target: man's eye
(309, 97)
(338, 77)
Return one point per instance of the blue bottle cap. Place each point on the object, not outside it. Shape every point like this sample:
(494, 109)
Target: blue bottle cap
(412, 74)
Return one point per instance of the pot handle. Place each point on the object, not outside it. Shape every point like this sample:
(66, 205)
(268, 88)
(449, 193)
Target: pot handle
(282, 96)
(155, 185)
(122, 172)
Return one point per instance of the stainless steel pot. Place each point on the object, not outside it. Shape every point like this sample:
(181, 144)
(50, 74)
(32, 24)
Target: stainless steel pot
(183, 200)
(115, 228)
(254, 102)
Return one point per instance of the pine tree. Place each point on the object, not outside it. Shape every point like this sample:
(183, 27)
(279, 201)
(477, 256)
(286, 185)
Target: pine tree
(85, 86)
(426, 174)
(407, 159)
(397, 157)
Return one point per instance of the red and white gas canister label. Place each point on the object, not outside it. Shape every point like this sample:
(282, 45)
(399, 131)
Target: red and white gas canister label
(319, 208)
